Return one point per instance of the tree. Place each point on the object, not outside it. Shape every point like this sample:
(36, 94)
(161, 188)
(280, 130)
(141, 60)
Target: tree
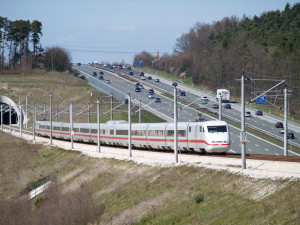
(58, 59)
(36, 29)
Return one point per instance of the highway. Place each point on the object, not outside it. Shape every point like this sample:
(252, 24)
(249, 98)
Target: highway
(254, 145)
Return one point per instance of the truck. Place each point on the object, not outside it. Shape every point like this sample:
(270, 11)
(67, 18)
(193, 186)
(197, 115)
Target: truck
(224, 93)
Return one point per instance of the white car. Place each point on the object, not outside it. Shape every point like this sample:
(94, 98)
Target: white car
(281, 131)
(143, 78)
(151, 96)
(247, 114)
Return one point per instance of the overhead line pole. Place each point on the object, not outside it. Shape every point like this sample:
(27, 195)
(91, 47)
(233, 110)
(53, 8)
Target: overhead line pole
(129, 126)
(285, 122)
(98, 126)
(175, 123)
(243, 145)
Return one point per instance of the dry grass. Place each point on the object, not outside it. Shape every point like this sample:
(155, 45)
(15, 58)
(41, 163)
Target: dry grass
(76, 207)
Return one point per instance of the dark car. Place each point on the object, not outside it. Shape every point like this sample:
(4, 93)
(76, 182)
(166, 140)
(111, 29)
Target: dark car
(100, 77)
(137, 89)
(157, 80)
(78, 64)
(101, 73)
(130, 73)
(279, 125)
(151, 91)
(157, 100)
(137, 84)
(215, 106)
(182, 93)
(259, 113)
(149, 78)
(142, 74)
(94, 73)
(290, 135)
(129, 68)
(227, 106)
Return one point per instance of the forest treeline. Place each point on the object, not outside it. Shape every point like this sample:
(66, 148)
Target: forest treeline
(15, 40)
(214, 55)
(20, 47)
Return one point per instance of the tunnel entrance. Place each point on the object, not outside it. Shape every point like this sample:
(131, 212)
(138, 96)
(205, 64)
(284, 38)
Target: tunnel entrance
(7, 103)
(14, 115)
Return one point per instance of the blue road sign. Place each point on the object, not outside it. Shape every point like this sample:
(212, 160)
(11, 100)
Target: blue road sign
(139, 63)
(261, 99)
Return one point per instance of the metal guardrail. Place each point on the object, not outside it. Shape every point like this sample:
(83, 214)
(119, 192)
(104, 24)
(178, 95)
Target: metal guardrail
(37, 184)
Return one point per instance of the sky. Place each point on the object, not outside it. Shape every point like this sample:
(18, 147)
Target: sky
(116, 30)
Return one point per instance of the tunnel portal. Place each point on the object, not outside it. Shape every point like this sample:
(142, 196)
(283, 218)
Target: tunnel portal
(7, 103)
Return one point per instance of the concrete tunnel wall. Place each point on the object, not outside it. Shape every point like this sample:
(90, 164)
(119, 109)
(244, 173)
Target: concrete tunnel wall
(6, 102)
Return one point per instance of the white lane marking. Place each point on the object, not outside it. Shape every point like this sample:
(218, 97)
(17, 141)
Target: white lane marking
(276, 154)
(250, 150)
(266, 149)
(256, 145)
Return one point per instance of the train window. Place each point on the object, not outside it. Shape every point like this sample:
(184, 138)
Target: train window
(42, 126)
(84, 130)
(212, 129)
(76, 130)
(181, 133)
(122, 132)
(170, 133)
(111, 132)
(94, 131)
(48, 127)
(190, 129)
(56, 128)
(65, 129)
(200, 129)
(159, 133)
(138, 132)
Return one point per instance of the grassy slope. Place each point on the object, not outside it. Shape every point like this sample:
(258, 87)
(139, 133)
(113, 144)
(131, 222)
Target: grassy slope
(65, 88)
(141, 194)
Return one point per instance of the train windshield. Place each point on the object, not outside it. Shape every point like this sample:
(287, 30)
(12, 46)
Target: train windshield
(213, 129)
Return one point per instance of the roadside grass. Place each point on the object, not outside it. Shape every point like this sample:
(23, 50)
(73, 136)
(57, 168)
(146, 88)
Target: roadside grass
(65, 88)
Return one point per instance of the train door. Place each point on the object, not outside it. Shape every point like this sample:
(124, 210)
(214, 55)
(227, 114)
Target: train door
(192, 136)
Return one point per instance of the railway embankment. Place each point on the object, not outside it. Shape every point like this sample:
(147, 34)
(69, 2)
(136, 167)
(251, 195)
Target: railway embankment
(149, 187)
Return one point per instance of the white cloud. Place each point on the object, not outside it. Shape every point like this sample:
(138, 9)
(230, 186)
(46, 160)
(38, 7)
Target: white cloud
(122, 28)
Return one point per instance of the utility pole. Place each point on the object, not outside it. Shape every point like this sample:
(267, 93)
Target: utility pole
(220, 106)
(243, 132)
(50, 96)
(98, 125)
(111, 107)
(285, 122)
(71, 128)
(56, 113)
(89, 113)
(129, 126)
(1, 117)
(34, 119)
(21, 121)
(10, 128)
(175, 123)
(140, 111)
(26, 109)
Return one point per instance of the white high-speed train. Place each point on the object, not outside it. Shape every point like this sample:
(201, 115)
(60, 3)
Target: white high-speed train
(208, 136)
